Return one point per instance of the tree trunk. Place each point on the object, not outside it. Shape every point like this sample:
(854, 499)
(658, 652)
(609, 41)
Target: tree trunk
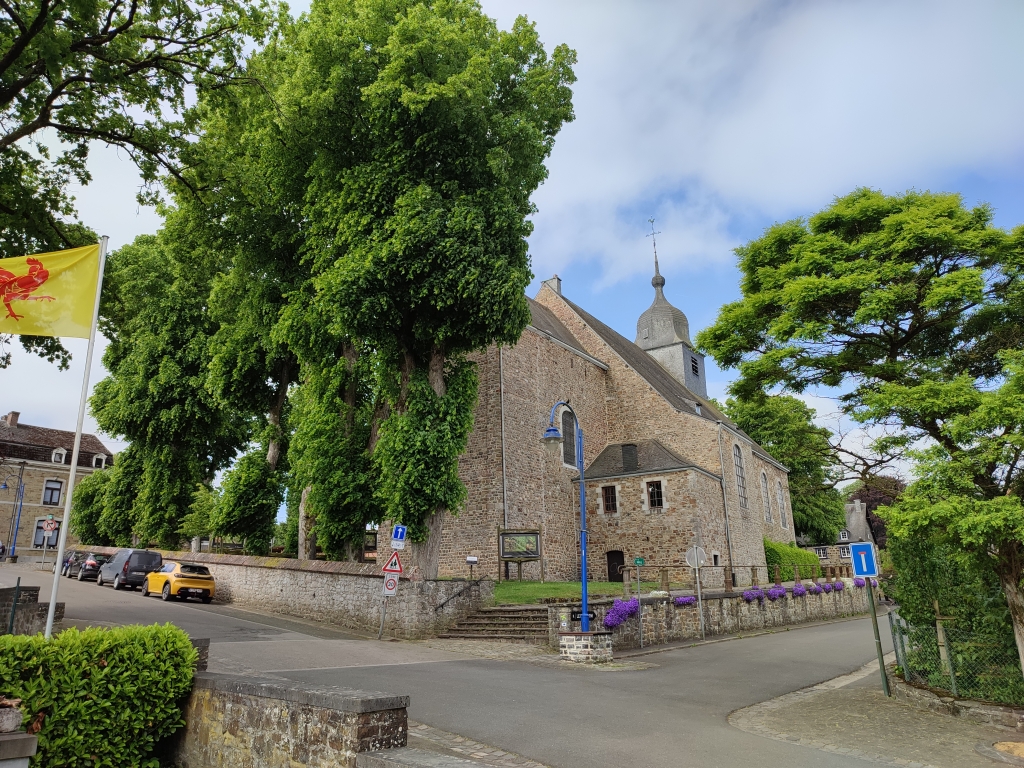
(274, 417)
(435, 372)
(425, 556)
(307, 534)
(1009, 579)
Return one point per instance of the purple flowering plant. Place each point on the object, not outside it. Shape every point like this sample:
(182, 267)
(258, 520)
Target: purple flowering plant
(754, 594)
(827, 587)
(620, 611)
(815, 589)
(686, 600)
(874, 583)
(859, 582)
(839, 586)
(774, 593)
(799, 590)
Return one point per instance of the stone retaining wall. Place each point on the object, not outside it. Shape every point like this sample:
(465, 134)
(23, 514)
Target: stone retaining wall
(344, 594)
(1010, 718)
(30, 614)
(724, 614)
(277, 724)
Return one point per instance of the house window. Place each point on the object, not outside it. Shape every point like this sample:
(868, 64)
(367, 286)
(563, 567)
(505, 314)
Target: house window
(780, 499)
(611, 505)
(697, 408)
(695, 366)
(42, 536)
(844, 535)
(844, 553)
(99, 461)
(715, 557)
(741, 481)
(765, 498)
(654, 497)
(51, 493)
(58, 456)
(821, 552)
(568, 438)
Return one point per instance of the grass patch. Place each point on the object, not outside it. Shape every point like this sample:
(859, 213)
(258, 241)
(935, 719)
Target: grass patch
(524, 592)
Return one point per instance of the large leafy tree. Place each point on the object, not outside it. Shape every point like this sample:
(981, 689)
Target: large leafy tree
(784, 426)
(420, 131)
(155, 396)
(115, 71)
(911, 305)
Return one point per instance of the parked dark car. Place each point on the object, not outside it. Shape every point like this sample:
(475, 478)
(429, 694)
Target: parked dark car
(69, 555)
(129, 567)
(85, 565)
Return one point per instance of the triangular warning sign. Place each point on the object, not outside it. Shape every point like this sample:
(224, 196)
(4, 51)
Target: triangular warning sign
(393, 565)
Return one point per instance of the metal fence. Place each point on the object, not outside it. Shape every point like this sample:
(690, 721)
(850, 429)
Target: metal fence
(964, 664)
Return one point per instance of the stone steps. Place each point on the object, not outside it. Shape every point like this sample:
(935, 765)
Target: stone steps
(504, 623)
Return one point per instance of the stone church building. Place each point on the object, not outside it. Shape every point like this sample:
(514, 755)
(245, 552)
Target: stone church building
(660, 459)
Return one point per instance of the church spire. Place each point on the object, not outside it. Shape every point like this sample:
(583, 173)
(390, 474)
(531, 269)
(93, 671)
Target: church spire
(657, 281)
(662, 324)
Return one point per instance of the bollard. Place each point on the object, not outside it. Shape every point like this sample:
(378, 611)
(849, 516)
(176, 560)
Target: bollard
(796, 574)
(778, 575)
(664, 580)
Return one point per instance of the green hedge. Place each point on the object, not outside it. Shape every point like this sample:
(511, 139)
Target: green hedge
(107, 695)
(786, 555)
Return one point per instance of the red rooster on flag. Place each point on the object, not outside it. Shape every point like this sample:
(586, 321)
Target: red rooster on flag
(14, 288)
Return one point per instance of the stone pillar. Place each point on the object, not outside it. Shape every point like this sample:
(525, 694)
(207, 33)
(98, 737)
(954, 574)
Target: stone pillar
(585, 647)
(778, 575)
(664, 580)
(796, 574)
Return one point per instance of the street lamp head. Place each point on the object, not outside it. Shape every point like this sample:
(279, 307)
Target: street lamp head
(552, 439)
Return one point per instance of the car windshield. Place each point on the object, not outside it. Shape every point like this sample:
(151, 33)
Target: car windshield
(195, 570)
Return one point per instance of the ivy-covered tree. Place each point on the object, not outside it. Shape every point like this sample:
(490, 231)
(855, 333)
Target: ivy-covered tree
(421, 131)
(250, 496)
(784, 426)
(118, 518)
(202, 513)
(87, 509)
(912, 306)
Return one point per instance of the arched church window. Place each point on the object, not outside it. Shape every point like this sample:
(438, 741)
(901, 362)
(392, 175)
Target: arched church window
(765, 498)
(568, 438)
(741, 480)
(780, 499)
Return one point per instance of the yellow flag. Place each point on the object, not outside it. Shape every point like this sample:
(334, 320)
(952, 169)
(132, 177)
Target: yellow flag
(50, 294)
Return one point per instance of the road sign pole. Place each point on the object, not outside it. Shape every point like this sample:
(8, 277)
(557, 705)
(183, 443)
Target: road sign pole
(878, 639)
(700, 603)
(383, 613)
(640, 606)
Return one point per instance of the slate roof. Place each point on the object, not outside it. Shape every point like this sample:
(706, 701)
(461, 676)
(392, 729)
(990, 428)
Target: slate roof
(663, 382)
(25, 441)
(652, 457)
(544, 320)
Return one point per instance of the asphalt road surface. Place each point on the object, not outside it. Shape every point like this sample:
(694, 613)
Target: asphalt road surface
(672, 715)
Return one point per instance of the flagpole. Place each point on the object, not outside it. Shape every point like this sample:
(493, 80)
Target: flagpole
(63, 539)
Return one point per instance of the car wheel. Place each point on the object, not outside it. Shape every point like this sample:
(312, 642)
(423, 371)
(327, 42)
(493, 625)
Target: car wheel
(81, 575)
(99, 579)
(207, 600)
(117, 583)
(165, 593)
(145, 588)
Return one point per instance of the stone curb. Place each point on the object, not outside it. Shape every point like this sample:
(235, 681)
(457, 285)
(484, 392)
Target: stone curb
(751, 720)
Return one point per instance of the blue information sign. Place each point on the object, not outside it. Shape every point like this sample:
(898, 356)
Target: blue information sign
(398, 533)
(865, 563)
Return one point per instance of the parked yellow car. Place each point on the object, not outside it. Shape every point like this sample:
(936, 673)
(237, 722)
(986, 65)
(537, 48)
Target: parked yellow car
(181, 580)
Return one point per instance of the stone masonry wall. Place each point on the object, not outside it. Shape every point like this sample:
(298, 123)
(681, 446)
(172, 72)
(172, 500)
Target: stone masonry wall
(249, 723)
(345, 594)
(32, 508)
(30, 614)
(665, 622)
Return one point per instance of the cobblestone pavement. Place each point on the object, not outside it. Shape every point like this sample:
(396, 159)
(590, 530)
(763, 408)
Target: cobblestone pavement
(538, 655)
(851, 716)
(425, 737)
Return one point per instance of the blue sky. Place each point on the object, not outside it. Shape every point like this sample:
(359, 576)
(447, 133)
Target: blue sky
(717, 119)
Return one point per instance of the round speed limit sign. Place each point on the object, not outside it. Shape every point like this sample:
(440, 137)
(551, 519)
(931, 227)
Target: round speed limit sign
(390, 585)
(50, 525)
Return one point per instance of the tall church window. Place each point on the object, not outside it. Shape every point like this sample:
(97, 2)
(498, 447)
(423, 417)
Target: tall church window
(568, 438)
(741, 480)
(611, 503)
(655, 500)
(765, 498)
(780, 499)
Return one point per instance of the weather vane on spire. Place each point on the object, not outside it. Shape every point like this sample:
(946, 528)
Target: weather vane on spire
(657, 281)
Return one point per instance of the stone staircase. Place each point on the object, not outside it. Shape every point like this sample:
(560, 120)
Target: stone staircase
(504, 623)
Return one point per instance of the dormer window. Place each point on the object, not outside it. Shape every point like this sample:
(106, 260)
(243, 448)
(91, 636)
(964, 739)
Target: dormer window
(99, 461)
(58, 456)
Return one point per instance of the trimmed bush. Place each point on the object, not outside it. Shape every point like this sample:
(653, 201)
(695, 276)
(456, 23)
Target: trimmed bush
(786, 555)
(105, 697)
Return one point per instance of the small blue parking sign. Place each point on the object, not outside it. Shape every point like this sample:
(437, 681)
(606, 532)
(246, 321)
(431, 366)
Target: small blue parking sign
(398, 533)
(865, 564)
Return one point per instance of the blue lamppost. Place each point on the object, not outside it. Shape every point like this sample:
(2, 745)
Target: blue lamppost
(18, 498)
(553, 441)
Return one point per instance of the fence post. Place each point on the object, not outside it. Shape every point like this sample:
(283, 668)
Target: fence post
(753, 575)
(664, 579)
(900, 661)
(944, 658)
(778, 575)
(625, 582)
(728, 578)
(796, 574)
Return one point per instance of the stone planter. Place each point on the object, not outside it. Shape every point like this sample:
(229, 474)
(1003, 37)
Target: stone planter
(10, 719)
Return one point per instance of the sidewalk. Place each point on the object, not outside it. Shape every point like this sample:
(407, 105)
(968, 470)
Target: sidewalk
(850, 716)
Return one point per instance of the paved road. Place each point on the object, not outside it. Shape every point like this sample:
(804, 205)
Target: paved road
(672, 715)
